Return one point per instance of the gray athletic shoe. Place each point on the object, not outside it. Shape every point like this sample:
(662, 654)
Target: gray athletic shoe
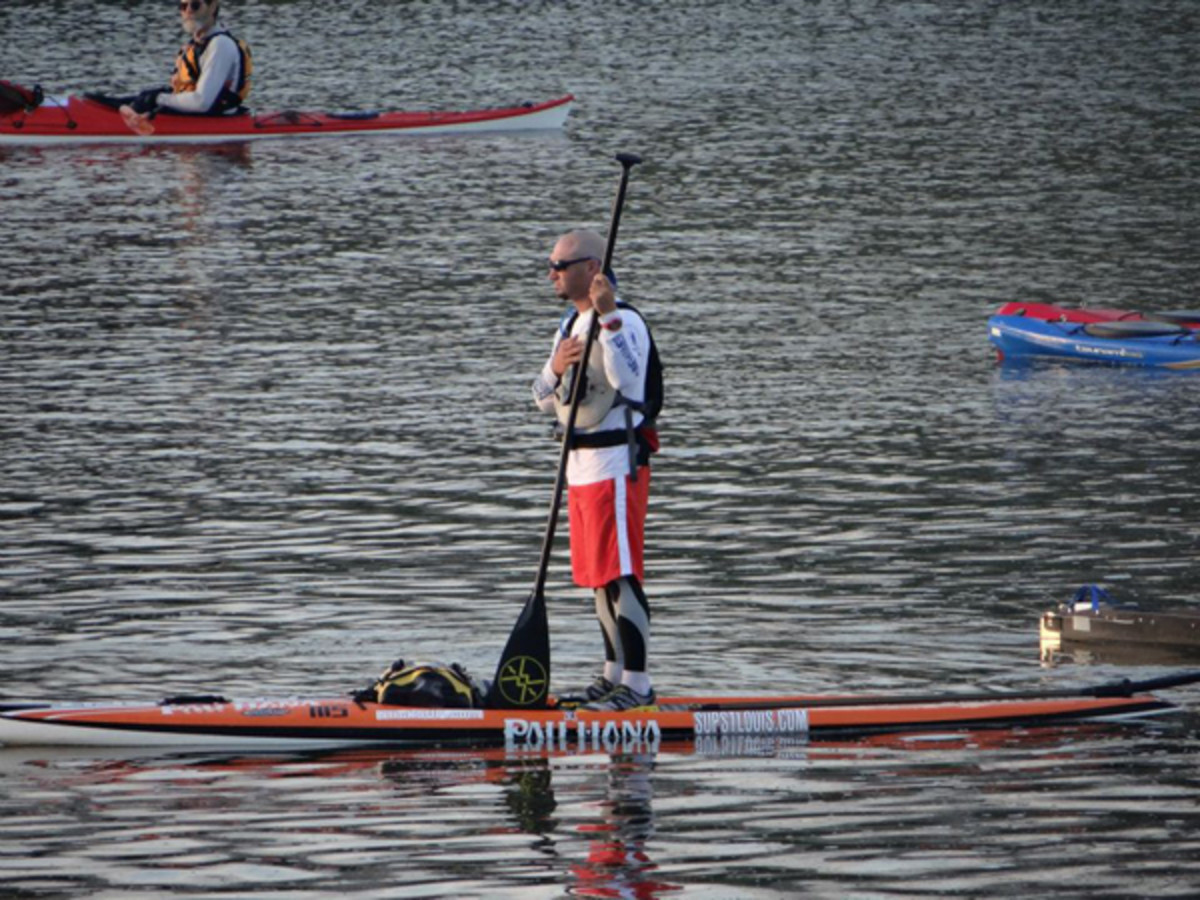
(622, 697)
(600, 688)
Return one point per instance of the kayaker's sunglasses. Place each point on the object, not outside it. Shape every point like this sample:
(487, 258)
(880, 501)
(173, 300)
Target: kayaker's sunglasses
(561, 265)
(194, 6)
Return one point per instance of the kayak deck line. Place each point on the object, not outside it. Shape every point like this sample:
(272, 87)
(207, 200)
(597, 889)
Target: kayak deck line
(80, 120)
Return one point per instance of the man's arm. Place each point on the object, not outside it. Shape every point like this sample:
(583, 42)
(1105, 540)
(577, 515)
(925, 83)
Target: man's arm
(626, 351)
(547, 381)
(218, 67)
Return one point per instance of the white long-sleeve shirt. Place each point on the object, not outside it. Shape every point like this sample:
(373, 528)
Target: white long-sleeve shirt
(220, 66)
(626, 356)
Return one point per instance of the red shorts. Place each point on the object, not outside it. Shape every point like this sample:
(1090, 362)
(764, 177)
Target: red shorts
(608, 529)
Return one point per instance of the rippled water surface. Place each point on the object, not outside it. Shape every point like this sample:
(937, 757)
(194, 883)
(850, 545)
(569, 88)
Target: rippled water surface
(265, 426)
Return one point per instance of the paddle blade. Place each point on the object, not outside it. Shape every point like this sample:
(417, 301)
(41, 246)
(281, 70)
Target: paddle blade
(138, 123)
(523, 676)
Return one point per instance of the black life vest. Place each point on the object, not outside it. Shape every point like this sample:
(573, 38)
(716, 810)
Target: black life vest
(650, 407)
(187, 72)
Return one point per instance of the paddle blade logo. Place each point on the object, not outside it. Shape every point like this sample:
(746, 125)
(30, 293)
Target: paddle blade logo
(523, 675)
(523, 682)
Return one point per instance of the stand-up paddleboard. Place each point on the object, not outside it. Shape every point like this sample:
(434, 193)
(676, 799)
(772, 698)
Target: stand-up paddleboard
(213, 722)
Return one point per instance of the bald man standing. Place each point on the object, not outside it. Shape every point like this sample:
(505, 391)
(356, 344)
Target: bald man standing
(608, 469)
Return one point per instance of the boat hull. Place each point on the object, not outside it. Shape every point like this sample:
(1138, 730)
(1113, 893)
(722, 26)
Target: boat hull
(1023, 338)
(329, 723)
(80, 120)
(1176, 630)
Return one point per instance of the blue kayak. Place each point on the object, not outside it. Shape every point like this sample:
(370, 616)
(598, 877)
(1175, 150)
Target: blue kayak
(1135, 343)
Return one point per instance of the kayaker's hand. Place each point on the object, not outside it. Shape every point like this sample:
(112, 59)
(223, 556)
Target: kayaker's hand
(147, 100)
(570, 349)
(603, 299)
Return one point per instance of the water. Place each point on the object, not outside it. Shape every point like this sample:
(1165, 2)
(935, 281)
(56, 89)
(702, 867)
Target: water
(265, 426)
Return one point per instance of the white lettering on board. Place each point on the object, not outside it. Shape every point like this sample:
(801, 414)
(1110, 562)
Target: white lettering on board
(635, 735)
(752, 721)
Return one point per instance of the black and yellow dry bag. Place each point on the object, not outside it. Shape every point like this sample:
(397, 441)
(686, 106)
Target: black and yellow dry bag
(433, 685)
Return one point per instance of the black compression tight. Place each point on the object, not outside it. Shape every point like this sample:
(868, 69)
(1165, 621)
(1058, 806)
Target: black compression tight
(624, 616)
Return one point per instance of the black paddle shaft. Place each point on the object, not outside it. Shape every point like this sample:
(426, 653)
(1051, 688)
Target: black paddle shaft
(579, 378)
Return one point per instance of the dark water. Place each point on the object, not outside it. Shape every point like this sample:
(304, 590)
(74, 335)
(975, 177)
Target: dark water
(265, 425)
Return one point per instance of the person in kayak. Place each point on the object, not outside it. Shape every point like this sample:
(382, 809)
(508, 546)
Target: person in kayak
(212, 72)
(608, 468)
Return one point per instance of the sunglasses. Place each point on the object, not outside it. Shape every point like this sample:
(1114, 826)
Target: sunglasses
(194, 6)
(561, 265)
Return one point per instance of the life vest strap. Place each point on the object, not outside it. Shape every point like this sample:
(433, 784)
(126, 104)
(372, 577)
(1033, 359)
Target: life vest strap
(645, 437)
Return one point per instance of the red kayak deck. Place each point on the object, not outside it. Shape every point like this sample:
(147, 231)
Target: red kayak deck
(1049, 312)
(343, 722)
(77, 120)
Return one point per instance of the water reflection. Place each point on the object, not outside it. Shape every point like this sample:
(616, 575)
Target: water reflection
(615, 798)
(1056, 652)
(255, 820)
(618, 860)
(786, 819)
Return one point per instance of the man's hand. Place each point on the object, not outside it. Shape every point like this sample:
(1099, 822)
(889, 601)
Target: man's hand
(569, 351)
(601, 293)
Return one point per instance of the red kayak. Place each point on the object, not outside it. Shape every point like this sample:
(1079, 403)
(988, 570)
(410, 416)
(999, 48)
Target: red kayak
(88, 120)
(1049, 312)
